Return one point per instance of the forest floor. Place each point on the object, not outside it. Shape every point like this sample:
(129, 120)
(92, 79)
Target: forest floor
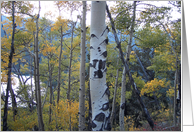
(161, 126)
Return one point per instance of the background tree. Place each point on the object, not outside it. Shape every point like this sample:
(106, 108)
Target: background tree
(5, 128)
(82, 71)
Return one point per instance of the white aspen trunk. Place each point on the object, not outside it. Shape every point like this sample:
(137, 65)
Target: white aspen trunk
(82, 72)
(98, 87)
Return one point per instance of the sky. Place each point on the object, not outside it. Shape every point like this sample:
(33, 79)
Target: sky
(48, 6)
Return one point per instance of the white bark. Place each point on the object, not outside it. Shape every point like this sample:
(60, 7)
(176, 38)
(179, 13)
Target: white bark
(82, 72)
(123, 89)
(98, 87)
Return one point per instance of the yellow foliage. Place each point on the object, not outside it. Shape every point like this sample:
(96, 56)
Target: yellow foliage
(60, 23)
(154, 85)
(25, 121)
(129, 124)
(31, 26)
(63, 114)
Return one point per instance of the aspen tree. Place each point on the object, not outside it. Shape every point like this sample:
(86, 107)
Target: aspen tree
(98, 87)
(82, 72)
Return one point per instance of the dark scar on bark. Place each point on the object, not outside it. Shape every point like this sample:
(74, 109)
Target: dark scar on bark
(93, 35)
(123, 106)
(94, 63)
(100, 117)
(99, 73)
(105, 41)
(107, 92)
(93, 125)
(108, 127)
(105, 30)
(100, 65)
(107, 123)
(105, 106)
(91, 47)
(101, 129)
(105, 70)
(104, 54)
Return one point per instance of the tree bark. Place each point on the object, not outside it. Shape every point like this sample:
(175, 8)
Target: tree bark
(14, 104)
(82, 72)
(70, 61)
(123, 89)
(51, 92)
(5, 127)
(114, 98)
(98, 87)
(59, 68)
(175, 93)
(39, 108)
(137, 92)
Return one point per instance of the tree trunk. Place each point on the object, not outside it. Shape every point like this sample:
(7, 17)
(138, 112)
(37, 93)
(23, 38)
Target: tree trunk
(123, 89)
(39, 108)
(5, 128)
(98, 87)
(32, 95)
(114, 98)
(122, 103)
(137, 92)
(175, 82)
(51, 92)
(14, 104)
(82, 72)
(59, 68)
(70, 61)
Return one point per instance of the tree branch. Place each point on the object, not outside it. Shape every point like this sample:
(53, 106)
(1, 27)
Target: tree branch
(137, 92)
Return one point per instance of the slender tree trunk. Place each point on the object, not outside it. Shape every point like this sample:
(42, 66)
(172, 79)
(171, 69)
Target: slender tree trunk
(59, 68)
(175, 93)
(32, 95)
(5, 127)
(98, 87)
(122, 103)
(82, 72)
(114, 98)
(137, 92)
(40, 118)
(51, 92)
(70, 61)
(123, 89)
(90, 110)
(35, 79)
(14, 104)
(69, 75)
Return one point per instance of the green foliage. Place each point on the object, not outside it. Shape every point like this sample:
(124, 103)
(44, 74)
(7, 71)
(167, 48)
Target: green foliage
(151, 37)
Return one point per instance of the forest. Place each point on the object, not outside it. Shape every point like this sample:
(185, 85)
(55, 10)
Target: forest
(121, 72)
